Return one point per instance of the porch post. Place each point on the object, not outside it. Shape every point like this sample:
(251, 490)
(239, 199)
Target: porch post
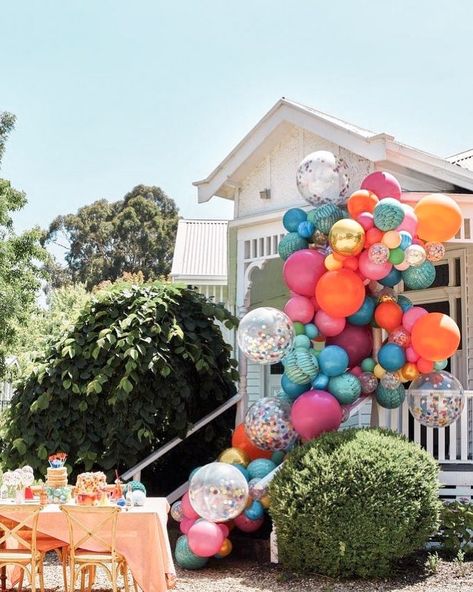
(242, 405)
(377, 342)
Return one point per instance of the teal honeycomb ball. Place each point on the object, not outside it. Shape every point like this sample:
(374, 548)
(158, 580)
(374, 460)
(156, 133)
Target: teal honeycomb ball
(346, 388)
(300, 366)
(291, 243)
(390, 398)
(419, 278)
(388, 214)
(137, 486)
(260, 467)
(185, 557)
(324, 217)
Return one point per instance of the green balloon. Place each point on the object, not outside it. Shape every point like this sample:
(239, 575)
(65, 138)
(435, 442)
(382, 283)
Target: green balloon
(368, 364)
(396, 256)
(299, 328)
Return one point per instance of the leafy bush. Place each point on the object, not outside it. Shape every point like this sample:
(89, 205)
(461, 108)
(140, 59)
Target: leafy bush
(456, 527)
(353, 502)
(139, 366)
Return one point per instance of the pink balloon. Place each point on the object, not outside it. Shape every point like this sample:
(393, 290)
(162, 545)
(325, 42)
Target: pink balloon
(315, 412)
(245, 524)
(411, 355)
(224, 528)
(373, 271)
(327, 325)
(299, 308)
(205, 538)
(185, 524)
(356, 371)
(402, 266)
(356, 340)
(302, 270)
(366, 220)
(382, 184)
(411, 316)
(409, 224)
(187, 508)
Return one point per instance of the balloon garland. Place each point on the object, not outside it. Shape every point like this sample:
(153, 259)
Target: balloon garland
(342, 261)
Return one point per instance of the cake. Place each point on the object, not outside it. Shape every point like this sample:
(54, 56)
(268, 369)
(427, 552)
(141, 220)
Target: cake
(91, 482)
(56, 477)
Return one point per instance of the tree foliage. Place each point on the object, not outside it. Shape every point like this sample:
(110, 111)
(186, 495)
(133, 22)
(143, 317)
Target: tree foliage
(105, 239)
(20, 259)
(139, 366)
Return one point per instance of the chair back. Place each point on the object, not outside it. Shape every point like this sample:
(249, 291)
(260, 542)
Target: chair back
(94, 527)
(19, 521)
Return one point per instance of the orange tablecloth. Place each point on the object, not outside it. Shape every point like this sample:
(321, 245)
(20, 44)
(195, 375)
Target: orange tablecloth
(141, 538)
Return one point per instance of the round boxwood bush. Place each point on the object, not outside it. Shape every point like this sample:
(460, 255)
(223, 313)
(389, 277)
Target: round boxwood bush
(352, 503)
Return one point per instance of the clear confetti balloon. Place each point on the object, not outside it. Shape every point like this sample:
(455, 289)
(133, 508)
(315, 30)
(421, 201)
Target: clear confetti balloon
(434, 251)
(390, 381)
(368, 382)
(218, 492)
(378, 253)
(414, 255)
(265, 335)
(386, 295)
(436, 399)
(176, 511)
(268, 424)
(321, 178)
(400, 336)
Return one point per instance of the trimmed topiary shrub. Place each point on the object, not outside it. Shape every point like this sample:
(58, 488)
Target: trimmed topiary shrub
(351, 503)
(141, 364)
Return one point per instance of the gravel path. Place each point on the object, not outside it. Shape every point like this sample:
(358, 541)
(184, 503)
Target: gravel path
(238, 576)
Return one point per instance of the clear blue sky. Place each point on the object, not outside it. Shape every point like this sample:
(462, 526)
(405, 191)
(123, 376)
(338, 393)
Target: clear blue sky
(112, 93)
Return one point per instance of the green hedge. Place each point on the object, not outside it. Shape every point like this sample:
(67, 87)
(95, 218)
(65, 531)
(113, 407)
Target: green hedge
(352, 503)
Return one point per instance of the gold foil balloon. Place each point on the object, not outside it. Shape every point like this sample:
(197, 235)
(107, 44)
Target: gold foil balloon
(225, 549)
(265, 501)
(347, 237)
(234, 456)
(409, 372)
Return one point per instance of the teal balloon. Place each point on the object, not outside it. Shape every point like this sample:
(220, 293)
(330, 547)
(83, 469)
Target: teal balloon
(390, 398)
(364, 314)
(404, 302)
(368, 364)
(292, 389)
(333, 360)
(320, 382)
(260, 467)
(346, 388)
(300, 366)
(388, 214)
(291, 243)
(440, 365)
(278, 456)
(311, 331)
(185, 558)
(292, 218)
(392, 279)
(391, 357)
(419, 278)
(255, 511)
(288, 399)
(306, 229)
(302, 341)
(243, 470)
(324, 217)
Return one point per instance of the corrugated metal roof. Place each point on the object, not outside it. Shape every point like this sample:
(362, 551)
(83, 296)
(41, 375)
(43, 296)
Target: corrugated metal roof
(463, 159)
(200, 252)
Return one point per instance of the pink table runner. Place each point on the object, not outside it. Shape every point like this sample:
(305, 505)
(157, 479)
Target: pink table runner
(141, 538)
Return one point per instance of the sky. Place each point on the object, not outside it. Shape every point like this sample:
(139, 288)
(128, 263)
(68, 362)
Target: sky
(113, 93)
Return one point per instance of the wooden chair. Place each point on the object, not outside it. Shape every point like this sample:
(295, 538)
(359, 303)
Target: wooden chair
(23, 532)
(94, 526)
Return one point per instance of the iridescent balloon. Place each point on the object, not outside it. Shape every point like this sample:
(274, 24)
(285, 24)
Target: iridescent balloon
(265, 335)
(268, 424)
(378, 253)
(415, 255)
(400, 336)
(434, 251)
(176, 511)
(390, 381)
(218, 492)
(368, 382)
(321, 178)
(436, 399)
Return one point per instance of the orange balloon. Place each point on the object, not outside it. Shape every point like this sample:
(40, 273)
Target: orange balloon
(240, 440)
(424, 366)
(435, 336)
(374, 235)
(332, 263)
(361, 201)
(340, 293)
(439, 217)
(351, 263)
(388, 315)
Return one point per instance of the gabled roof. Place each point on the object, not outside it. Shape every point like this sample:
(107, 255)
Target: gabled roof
(200, 253)
(377, 147)
(463, 159)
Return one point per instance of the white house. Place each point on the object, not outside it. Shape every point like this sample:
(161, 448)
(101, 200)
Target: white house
(258, 175)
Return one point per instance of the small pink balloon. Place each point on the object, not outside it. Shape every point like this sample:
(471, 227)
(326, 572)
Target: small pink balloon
(327, 325)
(411, 355)
(187, 508)
(302, 270)
(185, 524)
(366, 220)
(300, 308)
(373, 271)
(411, 316)
(245, 524)
(418, 241)
(409, 224)
(356, 340)
(224, 528)
(205, 538)
(356, 371)
(402, 266)
(382, 184)
(314, 413)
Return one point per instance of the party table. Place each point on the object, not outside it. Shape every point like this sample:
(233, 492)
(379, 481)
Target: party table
(141, 538)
